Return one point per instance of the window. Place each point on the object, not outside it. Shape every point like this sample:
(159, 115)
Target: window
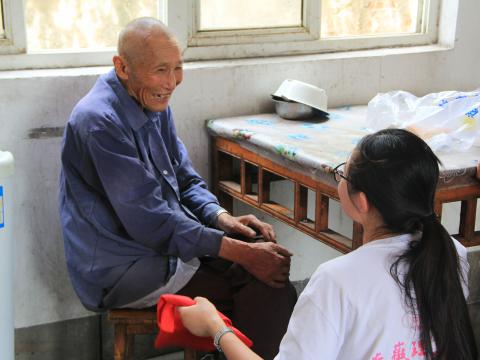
(67, 33)
(80, 24)
(249, 14)
(357, 18)
(60, 33)
(379, 23)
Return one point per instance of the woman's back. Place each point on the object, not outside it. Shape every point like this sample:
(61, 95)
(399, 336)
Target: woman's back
(352, 308)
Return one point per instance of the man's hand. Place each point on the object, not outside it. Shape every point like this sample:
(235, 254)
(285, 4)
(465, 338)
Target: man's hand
(245, 225)
(267, 261)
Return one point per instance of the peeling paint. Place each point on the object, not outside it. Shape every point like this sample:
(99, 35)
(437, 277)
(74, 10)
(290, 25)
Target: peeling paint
(46, 132)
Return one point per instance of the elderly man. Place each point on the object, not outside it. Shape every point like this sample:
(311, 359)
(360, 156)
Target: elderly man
(138, 221)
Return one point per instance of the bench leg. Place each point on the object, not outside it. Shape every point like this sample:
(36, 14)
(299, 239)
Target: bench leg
(120, 342)
(129, 351)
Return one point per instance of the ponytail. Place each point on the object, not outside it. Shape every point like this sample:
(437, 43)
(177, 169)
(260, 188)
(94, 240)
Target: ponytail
(431, 277)
(432, 287)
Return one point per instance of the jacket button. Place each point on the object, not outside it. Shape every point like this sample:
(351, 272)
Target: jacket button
(165, 172)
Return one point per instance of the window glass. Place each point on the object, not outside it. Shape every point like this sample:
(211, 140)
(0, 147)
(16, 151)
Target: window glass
(342, 18)
(248, 14)
(81, 24)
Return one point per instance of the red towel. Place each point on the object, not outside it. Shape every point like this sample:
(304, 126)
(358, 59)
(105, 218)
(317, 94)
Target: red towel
(173, 333)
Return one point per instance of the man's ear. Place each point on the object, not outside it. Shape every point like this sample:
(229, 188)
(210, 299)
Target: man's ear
(120, 65)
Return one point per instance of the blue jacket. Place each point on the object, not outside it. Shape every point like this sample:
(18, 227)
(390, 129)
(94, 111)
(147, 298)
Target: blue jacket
(130, 201)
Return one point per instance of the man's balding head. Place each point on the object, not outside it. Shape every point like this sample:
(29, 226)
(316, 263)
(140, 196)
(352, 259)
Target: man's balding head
(149, 63)
(134, 38)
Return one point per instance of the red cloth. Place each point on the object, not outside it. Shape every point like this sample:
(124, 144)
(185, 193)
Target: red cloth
(173, 333)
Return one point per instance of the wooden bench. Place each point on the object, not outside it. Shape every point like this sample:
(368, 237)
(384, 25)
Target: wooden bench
(129, 322)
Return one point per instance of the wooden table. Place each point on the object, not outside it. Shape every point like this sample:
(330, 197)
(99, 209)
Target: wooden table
(244, 168)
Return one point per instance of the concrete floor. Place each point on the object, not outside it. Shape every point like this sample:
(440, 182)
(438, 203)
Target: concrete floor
(173, 356)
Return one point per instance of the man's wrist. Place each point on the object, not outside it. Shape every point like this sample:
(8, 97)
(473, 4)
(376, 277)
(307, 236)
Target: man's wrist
(233, 250)
(218, 213)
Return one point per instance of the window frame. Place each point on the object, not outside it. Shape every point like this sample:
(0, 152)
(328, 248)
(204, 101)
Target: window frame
(15, 40)
(213, 45)
(308, 30)
(218, 44)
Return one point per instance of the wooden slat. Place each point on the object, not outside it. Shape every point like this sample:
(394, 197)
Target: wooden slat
(333, 237)
(230, 185)
(307, 222)
(300, 202)
(457, 193)
(438, 209)
(235, 149)
(265, 189)
(242, 177)
(472, 241)
(261, 195)
(251, 177)
(280, 209)
(321, 212)
(467, 219)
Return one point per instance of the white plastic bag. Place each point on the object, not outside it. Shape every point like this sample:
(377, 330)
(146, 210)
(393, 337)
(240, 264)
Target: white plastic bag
(447, 121)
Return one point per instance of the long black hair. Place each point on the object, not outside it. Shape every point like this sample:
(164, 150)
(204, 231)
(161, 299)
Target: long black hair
(398, 173)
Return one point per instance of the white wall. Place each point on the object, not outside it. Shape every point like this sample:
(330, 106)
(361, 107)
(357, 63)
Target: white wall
(33, 99)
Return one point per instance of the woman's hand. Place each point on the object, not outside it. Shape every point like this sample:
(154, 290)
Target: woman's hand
(201, 319)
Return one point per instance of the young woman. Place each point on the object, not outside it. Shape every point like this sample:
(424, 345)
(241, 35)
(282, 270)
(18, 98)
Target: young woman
(399, 296)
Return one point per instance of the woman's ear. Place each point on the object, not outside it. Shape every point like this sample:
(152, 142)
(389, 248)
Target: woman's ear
(361, 202)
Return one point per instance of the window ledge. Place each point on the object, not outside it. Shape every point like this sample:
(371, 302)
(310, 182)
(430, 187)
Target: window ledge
(213, 64)
(371, 53)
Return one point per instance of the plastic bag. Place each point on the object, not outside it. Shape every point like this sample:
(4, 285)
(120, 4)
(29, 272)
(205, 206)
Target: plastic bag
(447, 121)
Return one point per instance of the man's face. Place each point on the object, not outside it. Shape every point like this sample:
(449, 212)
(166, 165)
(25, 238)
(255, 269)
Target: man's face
(153, 76)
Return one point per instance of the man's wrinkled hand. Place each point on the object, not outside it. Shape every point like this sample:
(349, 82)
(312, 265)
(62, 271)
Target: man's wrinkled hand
(268, 262)
(246, 225)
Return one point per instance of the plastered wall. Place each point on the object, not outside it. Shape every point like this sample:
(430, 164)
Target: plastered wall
(34, 106)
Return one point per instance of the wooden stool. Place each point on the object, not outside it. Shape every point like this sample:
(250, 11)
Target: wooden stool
(130, 322)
